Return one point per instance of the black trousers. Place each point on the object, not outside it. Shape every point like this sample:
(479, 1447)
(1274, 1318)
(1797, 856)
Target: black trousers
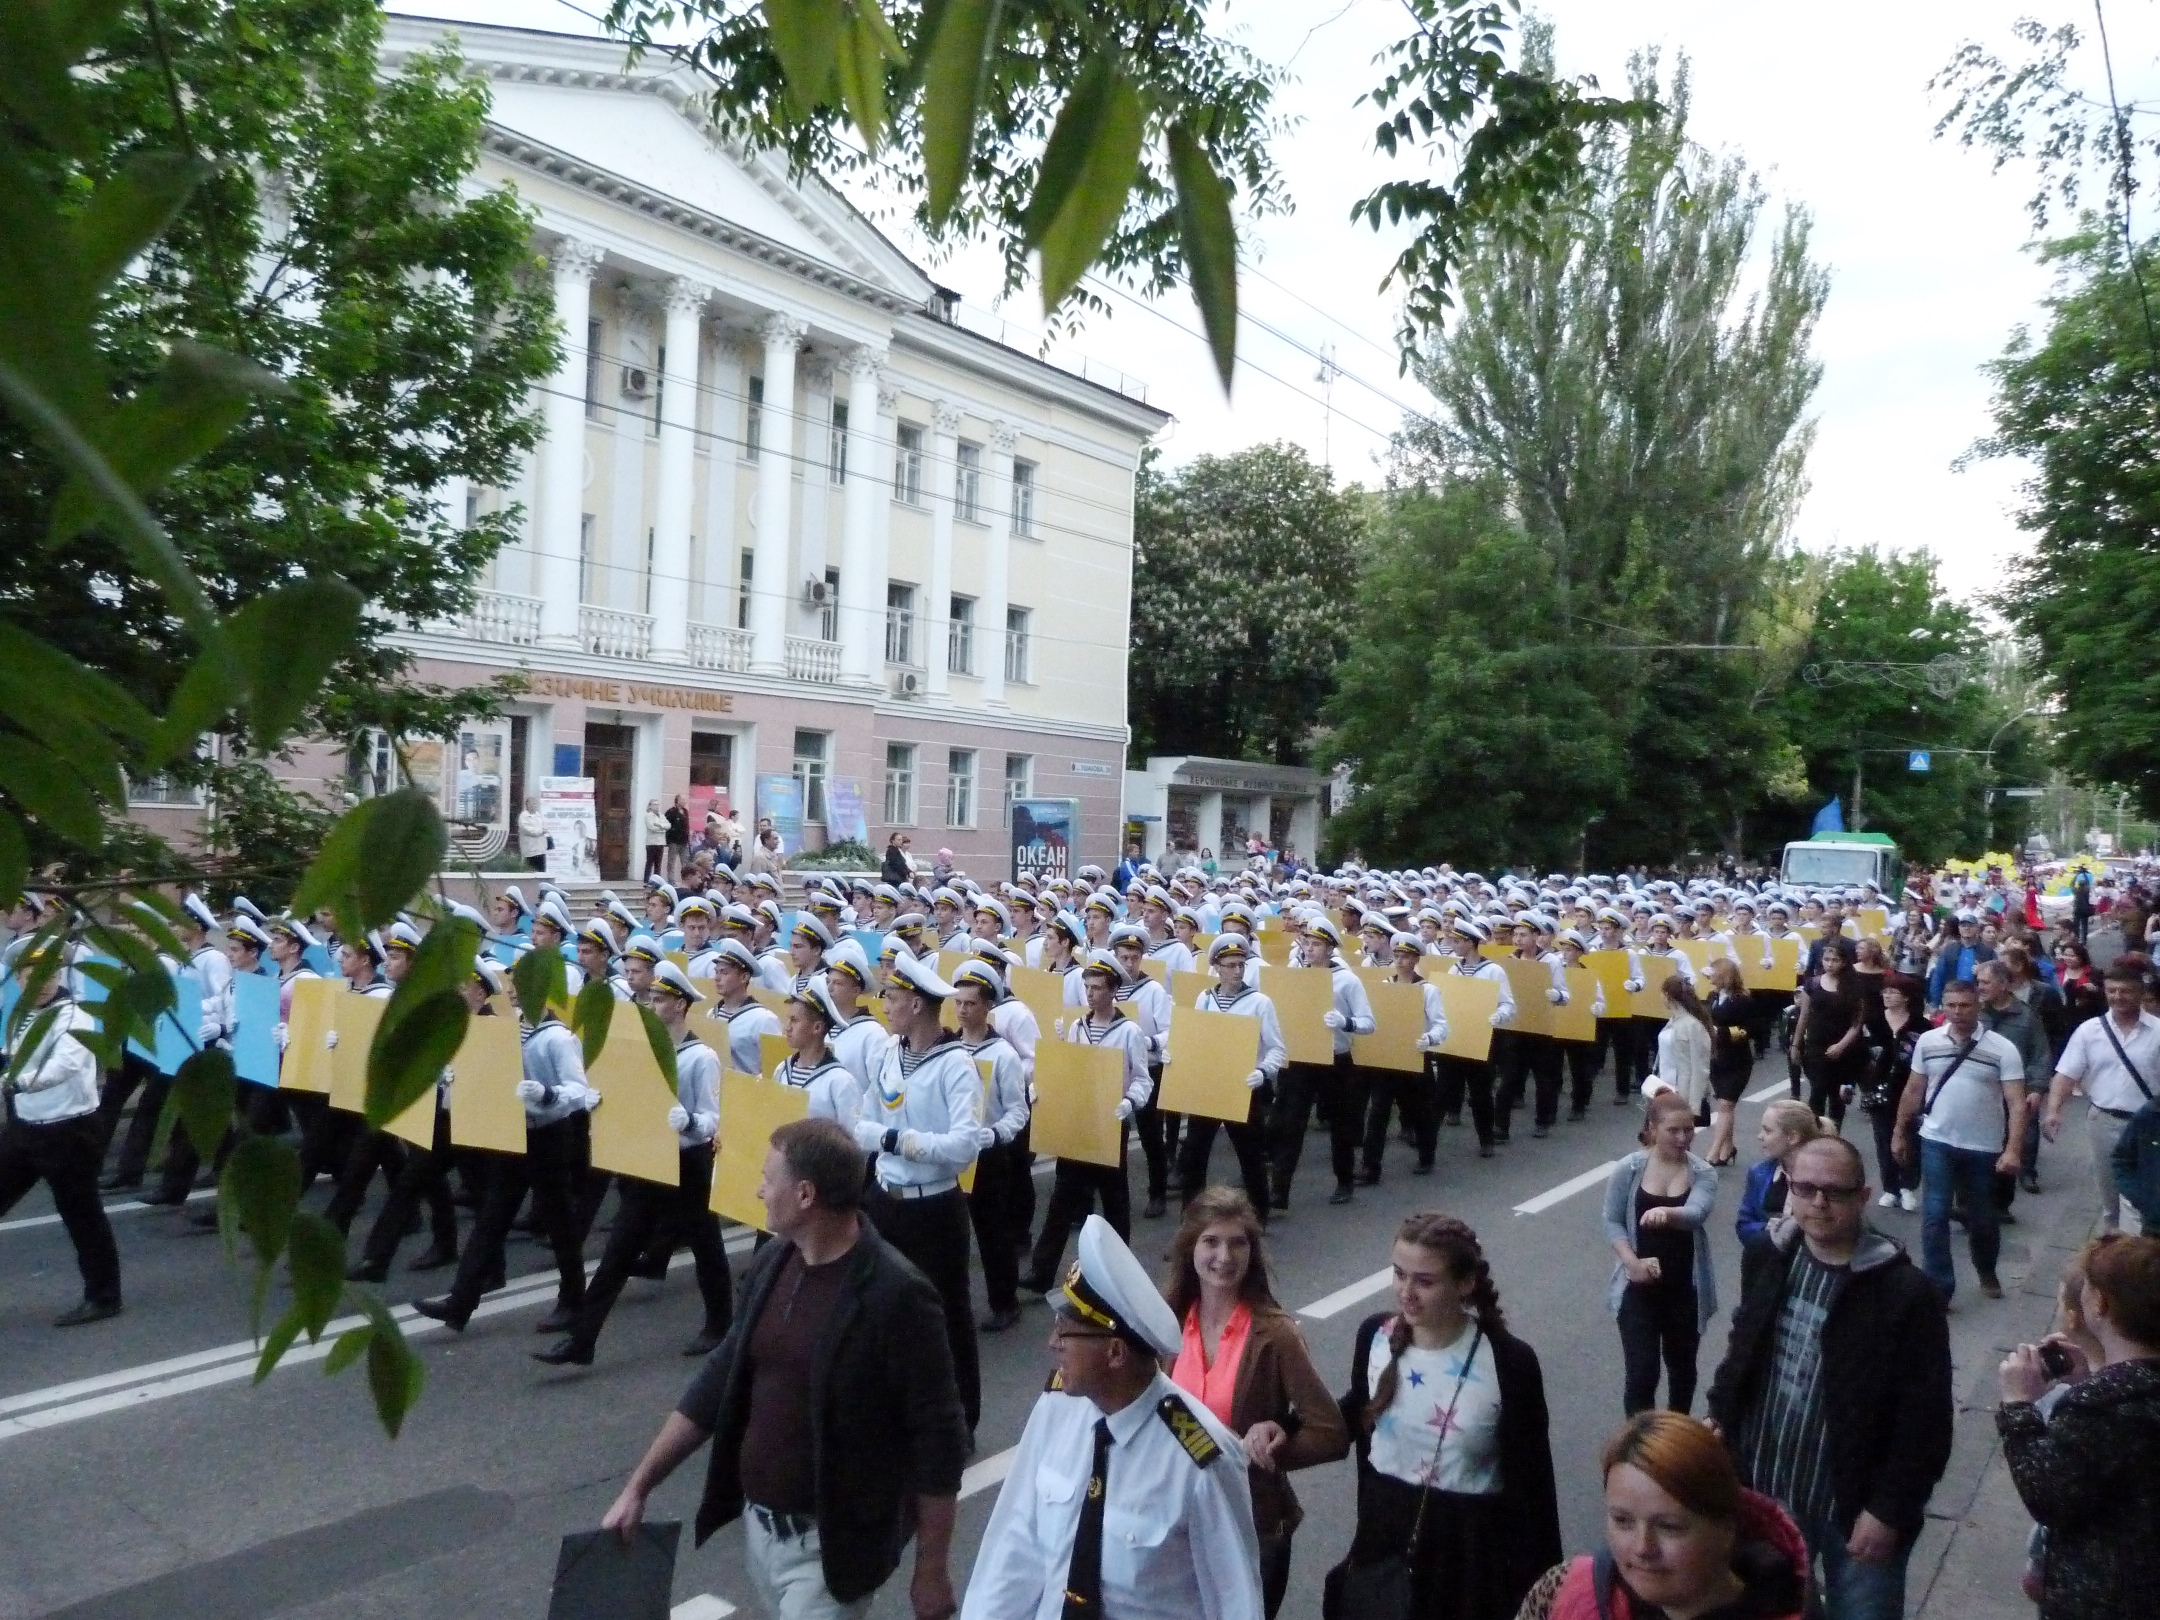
(1653, 1319)
(1511, 1073)
(369, 1152)
(1158, 1137)
(1583, 1058)
(1617, 1037)
(1075, 1188)
(1888, 1171)
(1827, 1078)
(1023, 1204)
(1538, 1060)
(1344, 1085)
(1469, 1078)
(326, 1135)
(933, 1234)
(65, 1155)
(425, 1174)
(554, 1158)
(1410, 1094)
(1248, 1140)
(647, 1208)
(994, 1211)
(138, 1078)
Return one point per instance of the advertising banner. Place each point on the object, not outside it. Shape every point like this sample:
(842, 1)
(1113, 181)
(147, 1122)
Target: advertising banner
(1045, 833)
(844, 817)
(779, 797)
(573, 829)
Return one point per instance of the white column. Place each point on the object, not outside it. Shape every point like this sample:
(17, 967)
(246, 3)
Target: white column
(671, 517)
(561, 491)
(997, 563)
(940, 476)
(723, 567)
(888, 429)
(772, 587)
(862, 581)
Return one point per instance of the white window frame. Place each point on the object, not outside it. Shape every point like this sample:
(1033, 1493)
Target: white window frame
(753, 436)
(961, 768)
(593, 357)
(836, 447)
(744, 582)
(967, 482)
(902, 777)
(829, 614)
(900, 618)
(908, 463)
(1021, 786)
(811, 772)
(1023, 499)
(960, 636)
(1019, 646)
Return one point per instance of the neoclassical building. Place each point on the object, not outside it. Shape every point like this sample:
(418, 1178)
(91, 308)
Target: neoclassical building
(791, 523)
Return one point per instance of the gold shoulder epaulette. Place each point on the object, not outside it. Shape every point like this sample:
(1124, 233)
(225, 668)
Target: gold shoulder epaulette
(1056, 1383)
(1191, 1433)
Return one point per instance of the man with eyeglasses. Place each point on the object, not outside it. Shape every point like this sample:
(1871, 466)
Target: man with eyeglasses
(1834, 1395)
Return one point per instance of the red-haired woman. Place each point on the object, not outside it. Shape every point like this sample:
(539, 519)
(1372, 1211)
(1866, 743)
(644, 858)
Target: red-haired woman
(1454, 1454)
(1683, 1539)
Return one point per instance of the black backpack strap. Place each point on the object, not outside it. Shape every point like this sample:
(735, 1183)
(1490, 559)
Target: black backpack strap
(2107, 1028)
(1603, 1574)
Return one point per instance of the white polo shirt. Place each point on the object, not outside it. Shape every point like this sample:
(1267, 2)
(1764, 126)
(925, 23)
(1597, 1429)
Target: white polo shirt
(1968, 1111)
(2089, 1058)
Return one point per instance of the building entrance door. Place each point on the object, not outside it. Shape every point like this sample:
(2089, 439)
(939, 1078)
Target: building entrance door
(610, 753)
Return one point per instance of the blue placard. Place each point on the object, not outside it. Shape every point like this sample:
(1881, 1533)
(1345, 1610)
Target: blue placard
(255, 1017)
(175, 1030)
(1918, 760)
(505, 951)
(319, 959)
(871, 940)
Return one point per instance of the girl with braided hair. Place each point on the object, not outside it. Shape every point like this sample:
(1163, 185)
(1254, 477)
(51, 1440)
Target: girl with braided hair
(1454, 1458)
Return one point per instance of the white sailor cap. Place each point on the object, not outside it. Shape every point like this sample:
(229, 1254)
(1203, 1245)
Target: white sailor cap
(656, 884)
(493, 976)
(597, 932)
(295, 928)
(1470, 928)
(200, 913)
(998, 909)
(1108, 1289)
(1101, 961)
(1128, 933)
(736, 954)
(516, 896)
(983, 975)
(555, 916)
(1102, 900)
(667, 976)
(645, 948)
(618, 912)
(1223, 945)
(1573, 936)
(809, 927)
(817, 996)
(919, 975)
(248, 931)
(847, 957)
(369, 944)
(1400, 941)
(1091, 873)
(401, 936)
(1070, 926)
(693, 905)
(887, 893)
(1324, 928)
(248, 908)
(770, 911)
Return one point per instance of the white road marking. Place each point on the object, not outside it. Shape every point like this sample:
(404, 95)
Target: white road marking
(702, 1607)
(124, 1207)
(1566, 1190)
(1778, 1088)
(990, 1471)
(1343, 1298)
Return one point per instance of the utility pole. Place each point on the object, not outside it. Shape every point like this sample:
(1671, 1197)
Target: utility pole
(1857, 821)
(1325, 377)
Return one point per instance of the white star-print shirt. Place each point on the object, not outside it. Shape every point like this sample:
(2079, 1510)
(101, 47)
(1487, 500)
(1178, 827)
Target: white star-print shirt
(1409, 1431)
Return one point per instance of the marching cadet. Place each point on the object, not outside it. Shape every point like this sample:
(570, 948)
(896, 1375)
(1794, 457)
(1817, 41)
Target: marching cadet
(811, 1064)
(1543, 1056)
(1771, 1006)
(1461, 1076)
(1150, 1004)
(210, 970)
(1411, 1094)
(1076, 1185)
(648, 1208)
(510, 920)
(556, 1100)
(373, 1150)
(733, 968)
(922, 1118)
(551, 931)
(596, 948)
(1616, 1030)
(857, 1039)
(1112, 1442)
(660, 898)
(694, 916)
(328, 1143)
(641, 959)
(1064, 952)
(946, 920)
(1159, 936)
(807, 944)
(1231, 958)
(1350, 1014)
(1001, 1160)
(52, 1134)
(1582, 1056)
(991, 919)
(1375, 935)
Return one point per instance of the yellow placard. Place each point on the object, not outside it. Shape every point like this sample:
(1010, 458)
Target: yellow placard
(948, 963)
(1042, 993)
(1398, 1021)
(1528, 982)
(631, 1135)
(713, 1032)
(1469, 1004)
(1273, 943)
(1187, 988)
(417, 1123)
(1575, 1021)
(750, 1111)
(1874, 922)
(772, 1052)
(308, 1059)
(1809, 932)
(772, 1000)
(1077, 1090)
(681, 959)
(357, 1018)
(1783, 973)
(1199, 946)
(484, 1107)
(1698, 952)
(1494, 950)
(982, 1116)
(1611, 968)
(1211, 1055)
(1302, 997)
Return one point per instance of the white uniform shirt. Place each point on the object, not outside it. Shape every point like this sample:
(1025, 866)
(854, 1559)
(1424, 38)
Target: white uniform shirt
(2089, 1058)
(1178, 1540)
(697, 1089)
(744, 1025)
(859, 1044)
(1353, 1003)
(1007, 1110)
(1151, 1011)
(934, 1100)
(833, 1092)
(212, 972)
(59, 1078)
(1015, 1020)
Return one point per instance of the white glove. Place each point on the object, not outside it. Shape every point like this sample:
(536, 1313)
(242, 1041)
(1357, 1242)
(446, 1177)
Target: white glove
(909, 1145)
(1631, 986)
(1255, 1080)
(530, 1091)
(868, 1137)
(1425, 1042)
(590, 1101)
(1555, 995)
(1058, 1027)
(329, 1040)
(1162, 1058)
(1124, 1108)
(1333, 1019)
(678, 1119)
(985, 1137)
(280, 1034)
(1034, 1096)
(1501, 1019)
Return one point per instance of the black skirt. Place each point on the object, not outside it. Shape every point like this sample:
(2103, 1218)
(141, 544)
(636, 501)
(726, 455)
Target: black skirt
(1465, 1565)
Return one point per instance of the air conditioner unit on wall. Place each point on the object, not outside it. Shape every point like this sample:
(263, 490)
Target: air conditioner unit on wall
(815, 593)
(636, 382)
(907, 684)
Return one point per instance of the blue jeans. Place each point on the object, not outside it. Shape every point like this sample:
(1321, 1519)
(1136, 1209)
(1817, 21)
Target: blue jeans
(1851, 1590)
(1943, 1169)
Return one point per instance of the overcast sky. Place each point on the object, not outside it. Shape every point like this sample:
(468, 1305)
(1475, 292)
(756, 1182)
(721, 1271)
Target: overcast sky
(1926, 246)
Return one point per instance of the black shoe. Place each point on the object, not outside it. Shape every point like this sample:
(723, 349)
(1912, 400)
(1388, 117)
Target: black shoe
(1621, 1099)
(1368, 1178)
(119, 1183)
(1341, 1194)
(1541, 1130)
(1156, 1208)
(1279, 1203)
(444, 1311)
(704, 1344)
(1484, 1150)
(1452, 1119)
(367, 1271)
(1500, 1134)
(1576, 1114)
(160, 1197)
(88, 1311)
(557, 1321)
(434, 1258)
(1029, 1283)
(1422, 1168)
(204, 1219)
(650, 1270)
(2006, 1217)
(569, 1353)
(999, 1321)
(2030, 1181)
(1989, 1286)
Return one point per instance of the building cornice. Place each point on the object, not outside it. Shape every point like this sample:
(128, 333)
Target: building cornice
(1021, 372)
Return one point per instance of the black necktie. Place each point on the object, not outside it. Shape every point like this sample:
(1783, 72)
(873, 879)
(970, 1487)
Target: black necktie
(1083, 1577)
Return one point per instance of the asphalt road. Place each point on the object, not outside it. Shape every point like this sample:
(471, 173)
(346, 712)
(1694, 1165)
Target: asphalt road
(143, 1474)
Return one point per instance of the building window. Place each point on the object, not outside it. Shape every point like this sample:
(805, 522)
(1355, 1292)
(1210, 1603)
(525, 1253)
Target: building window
(592, 370)
(659, 387)
(753, 433)
(960, 788)
(1023, 499)
(960, 637)
(370, 765)
(899, 624)
(1019, 781)
(712, 760)
(810, 773)
(1018, 648)
(900, 784)
(472, 505)
(585, 557)
(829, 614)
(967, 482)
(836, 451)
(907, 464)
(742, 591)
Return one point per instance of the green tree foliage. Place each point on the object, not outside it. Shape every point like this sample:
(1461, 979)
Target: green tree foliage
(1243, 568)
(329, 241)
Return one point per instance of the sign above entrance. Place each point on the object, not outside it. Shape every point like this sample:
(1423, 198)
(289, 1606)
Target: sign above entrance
(638, 694)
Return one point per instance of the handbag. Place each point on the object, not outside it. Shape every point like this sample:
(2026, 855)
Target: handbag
(1380, 1588)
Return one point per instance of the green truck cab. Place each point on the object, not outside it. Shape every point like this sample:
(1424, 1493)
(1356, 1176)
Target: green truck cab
(1845, 860)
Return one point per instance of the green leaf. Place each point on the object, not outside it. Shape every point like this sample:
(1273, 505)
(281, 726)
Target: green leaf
(405, 1060)
(594, 1011)
(127, 212)
(867, 44)
(14, 859)
(38, 1022)
(154, 925)
(316, 1257)
(538, 978)
(205, 1088)
(285, 642)
(662, 1044)
(257, 1193)
(57, 700)
(956, 66)
(348, 1349)
(401, 848)
(1087, 173)
(280, 1340)
(333, 877)
(206, 694)
(395, 1374)
(1208, 237)
(805, 35)
(53, 794)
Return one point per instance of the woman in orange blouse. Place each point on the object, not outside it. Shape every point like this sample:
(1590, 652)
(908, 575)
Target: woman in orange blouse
(1244, 1359)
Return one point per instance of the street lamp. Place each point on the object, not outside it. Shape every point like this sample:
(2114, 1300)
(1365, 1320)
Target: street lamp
(1988, 794)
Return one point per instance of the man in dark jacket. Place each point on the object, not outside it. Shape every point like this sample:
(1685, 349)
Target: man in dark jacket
(1834, 1395)
(831, 1404)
